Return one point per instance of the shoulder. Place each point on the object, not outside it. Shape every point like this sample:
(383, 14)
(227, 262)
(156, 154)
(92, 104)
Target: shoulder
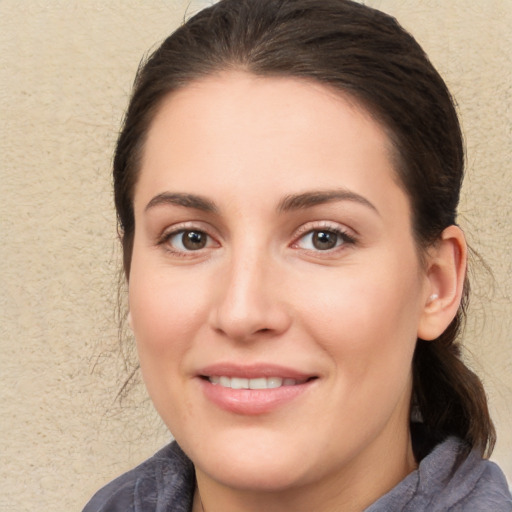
(485, 488)
(450, 479)
(167, 478)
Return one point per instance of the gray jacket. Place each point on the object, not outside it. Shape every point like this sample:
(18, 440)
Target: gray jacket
(444, 481)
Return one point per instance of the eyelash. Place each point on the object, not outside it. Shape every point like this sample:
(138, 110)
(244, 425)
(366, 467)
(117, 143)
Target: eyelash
(307, 230)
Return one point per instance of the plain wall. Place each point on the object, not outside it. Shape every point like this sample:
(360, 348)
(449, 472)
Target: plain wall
(66, 67)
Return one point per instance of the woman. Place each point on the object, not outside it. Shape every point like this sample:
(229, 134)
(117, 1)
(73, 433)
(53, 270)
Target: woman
(286, 183)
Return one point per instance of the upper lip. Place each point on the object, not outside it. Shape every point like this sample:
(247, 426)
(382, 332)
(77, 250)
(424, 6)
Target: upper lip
(253, 371)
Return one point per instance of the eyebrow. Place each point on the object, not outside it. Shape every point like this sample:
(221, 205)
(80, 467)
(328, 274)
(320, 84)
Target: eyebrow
(317, 197)
(288, 203)
(185, 200)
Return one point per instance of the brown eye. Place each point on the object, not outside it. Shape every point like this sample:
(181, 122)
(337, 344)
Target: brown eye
(188, 240)
(324, 240)
(194, 240)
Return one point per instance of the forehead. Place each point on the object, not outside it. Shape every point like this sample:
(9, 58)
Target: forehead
(249, 131)
(261, 102)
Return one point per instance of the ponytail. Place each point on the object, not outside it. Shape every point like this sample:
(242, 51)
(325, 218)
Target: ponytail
(450, 398)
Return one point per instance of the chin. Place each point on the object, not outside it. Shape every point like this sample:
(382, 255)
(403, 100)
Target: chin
(257, 477)
(252, 462)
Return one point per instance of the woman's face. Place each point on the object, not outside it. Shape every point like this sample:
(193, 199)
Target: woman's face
(273, 251)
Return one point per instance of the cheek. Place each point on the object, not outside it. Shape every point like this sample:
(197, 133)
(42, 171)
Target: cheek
(167, 314)
(366, 319)
(164, 309)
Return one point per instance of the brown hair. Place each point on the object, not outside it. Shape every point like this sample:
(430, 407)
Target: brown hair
(363, 53)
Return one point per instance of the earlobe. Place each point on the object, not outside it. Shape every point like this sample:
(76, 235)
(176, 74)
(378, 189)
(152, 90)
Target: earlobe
(446, 272)
(432, 298)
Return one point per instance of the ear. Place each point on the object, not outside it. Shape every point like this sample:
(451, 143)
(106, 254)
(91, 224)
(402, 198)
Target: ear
(445, 274)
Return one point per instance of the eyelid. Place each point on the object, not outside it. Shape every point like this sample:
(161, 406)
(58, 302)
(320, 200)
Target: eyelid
(323, 224)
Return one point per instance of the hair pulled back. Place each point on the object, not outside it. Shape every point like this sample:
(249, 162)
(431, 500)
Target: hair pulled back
(365, 54)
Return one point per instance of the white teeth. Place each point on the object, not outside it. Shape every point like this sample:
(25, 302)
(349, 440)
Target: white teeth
(274, 382)
(237, 383)
(260, 383)
(257, 383)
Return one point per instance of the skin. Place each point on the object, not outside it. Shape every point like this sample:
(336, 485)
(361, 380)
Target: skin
(261, 291)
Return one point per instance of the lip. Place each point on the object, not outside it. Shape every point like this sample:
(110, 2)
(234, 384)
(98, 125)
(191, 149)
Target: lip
(252, 402)
(253, 371)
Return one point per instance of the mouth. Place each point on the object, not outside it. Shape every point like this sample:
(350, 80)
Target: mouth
(254, 383)
(254, 389)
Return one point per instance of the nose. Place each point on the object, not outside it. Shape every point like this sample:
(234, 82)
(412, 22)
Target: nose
(249, 301)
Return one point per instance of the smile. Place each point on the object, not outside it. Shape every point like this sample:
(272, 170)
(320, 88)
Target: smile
(255, 383)
(253, 389)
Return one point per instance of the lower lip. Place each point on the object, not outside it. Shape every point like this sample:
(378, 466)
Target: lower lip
(251, 402)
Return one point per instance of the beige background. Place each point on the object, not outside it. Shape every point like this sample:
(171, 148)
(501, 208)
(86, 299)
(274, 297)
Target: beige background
(65, 73)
